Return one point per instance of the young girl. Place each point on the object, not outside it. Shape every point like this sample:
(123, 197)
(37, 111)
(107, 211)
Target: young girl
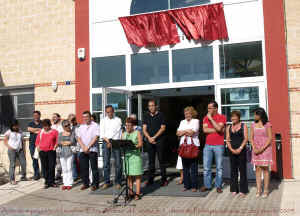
(261, 139)
(13, 140)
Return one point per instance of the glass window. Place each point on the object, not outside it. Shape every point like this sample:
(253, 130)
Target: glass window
(18, 107)
(108, 71)
(186, 3)
(193, 64)
(97, 102)
(245, 99)
(144, 6)
(150, 68)
(117, 100)
(241, 60)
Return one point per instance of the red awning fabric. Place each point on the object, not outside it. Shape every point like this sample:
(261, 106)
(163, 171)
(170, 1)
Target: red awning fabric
(205, 22)
(154, 29)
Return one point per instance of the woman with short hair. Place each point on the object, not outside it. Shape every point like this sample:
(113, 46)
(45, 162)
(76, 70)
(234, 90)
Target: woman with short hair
(46, 142)
(236, 140)
(66, 141)
(189, 130)
(133, 158)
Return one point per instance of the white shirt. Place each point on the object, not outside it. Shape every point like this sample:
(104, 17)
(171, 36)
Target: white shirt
(110, 128)
(58, 127)
(14, 139)
(87, 133)
(192, 124)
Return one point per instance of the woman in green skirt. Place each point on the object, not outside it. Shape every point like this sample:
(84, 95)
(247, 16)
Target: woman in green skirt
(133, 158)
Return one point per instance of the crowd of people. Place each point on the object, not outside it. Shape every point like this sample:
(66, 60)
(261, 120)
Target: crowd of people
(68, 150)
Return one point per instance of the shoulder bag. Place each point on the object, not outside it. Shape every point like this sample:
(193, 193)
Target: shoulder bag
(189, 151)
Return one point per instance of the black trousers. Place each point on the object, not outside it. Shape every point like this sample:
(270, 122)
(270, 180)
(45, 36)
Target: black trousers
(84, 160)
(190, 173)
(154, 149)
(238, 164)
(48, 159)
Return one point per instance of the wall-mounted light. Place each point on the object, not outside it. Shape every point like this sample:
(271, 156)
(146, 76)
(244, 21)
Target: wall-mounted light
(54, 86)
(81, 54)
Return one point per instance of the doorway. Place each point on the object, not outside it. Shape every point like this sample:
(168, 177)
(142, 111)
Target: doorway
(171, 102)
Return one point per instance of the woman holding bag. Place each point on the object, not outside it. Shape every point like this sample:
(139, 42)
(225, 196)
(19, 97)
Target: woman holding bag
(188, 132)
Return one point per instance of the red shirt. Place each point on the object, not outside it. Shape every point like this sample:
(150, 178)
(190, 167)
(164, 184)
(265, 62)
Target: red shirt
(47, 141)
(215, 138)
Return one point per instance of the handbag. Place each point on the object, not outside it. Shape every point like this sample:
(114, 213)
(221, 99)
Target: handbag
(189, 151)
(36, 150)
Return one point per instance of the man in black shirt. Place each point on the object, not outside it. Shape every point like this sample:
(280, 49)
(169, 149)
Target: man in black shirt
(153, 128)
(34, 128)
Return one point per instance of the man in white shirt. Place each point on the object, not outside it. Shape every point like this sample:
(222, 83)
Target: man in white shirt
(110, 129)
(56, 119)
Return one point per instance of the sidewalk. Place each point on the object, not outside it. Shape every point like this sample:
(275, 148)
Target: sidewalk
(28, 198)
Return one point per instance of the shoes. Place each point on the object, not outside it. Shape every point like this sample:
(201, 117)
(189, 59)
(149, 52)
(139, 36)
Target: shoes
(76, 179)
(46, 186)
(204, 189)
(84, 187)
(242, 194)
(53, 185)
(265, 194)
(194, 190)
(36, 178)
(58, 178)
(258, 193)
(69, 188)
(118, 187)
(219, 190)
(234, 193)
(184, 189)
(137, 196)
(13, 182)
(23, 178)
(105, 186)
(164, 183)
(93, 188)
(64, 188)
(148, 183)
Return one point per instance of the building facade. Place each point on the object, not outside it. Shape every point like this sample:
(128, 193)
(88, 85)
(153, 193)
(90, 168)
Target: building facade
(247, 71)
(37, 42)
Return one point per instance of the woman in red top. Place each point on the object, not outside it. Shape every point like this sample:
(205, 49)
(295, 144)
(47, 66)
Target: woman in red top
(46, 143)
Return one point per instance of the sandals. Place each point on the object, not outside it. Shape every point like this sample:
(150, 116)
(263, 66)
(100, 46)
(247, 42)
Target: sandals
(258, 193)
(179, 182)
(13, 182)
(265, 194)
(137, 196)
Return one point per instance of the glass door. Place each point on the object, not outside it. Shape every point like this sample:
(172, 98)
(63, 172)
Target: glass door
(119, 99)
(243, 97)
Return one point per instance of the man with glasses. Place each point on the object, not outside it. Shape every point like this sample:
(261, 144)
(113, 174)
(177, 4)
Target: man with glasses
(214, 127)
(154, 126)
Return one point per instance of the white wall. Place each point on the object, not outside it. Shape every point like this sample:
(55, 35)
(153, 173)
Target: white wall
(244, 22)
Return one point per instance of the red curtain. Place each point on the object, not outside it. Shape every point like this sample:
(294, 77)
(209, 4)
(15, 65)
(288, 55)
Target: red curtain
(203, 22)
(155, 29)
(199, 23)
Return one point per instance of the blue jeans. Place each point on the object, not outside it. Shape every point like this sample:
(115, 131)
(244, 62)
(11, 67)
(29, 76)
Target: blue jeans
(35, 162)
(118, 164)
(75, 165)
(190, 173)
(208, 153)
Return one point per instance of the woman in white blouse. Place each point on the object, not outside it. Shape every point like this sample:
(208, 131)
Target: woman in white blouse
(13, 140)
(189, 128)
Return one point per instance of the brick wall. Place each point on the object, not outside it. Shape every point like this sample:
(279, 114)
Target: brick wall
(293, 51)
(37, 46)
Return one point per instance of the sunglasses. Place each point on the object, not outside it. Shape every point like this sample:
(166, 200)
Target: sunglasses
(67, 125)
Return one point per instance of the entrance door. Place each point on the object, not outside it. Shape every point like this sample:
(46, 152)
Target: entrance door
(119, 99)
